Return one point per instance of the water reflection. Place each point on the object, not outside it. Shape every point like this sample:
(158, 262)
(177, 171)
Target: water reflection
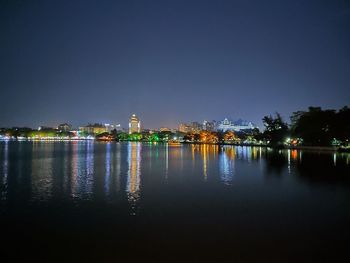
(42, 166)
(245, 153)
(226, 164)
(44, 171)
(134, 172)
(83, 162)
(205, 154)
(112, 171)
(74, 169)
(166, 161)
(324, 168)
(4, 173)
(108, 169)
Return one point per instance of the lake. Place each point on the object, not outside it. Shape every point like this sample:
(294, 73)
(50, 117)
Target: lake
(75, 201)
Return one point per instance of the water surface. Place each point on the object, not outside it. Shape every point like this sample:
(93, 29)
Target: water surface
(140, 201)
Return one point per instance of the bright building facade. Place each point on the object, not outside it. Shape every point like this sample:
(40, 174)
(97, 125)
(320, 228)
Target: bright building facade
(227, 125)
(134, 124)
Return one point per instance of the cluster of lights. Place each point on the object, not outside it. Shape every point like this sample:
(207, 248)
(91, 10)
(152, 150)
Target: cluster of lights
(293, 141)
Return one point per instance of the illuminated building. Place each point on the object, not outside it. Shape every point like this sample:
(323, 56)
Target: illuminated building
(134, 124)
(112, 127)
(240, 125)
(183, 127)
(93, 129)
(165, 129)
(194, 127)
(134, 175)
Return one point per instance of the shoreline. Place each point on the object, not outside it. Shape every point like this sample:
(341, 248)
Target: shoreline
(308, 148)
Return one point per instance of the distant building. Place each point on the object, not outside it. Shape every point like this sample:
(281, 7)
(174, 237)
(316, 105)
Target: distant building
(183, 127)
(112, 127)
(194, 127)
(240, 125)
(65, 127)
(165, 129)
(209, 125)
(95, 129)
(134, 124)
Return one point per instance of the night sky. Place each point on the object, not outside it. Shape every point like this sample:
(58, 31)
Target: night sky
(170, 61)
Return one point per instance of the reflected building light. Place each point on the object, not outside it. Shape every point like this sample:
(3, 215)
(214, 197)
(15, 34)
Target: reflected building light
(192, 152)
(216, 150)
(134, 173)
(75, 171)
(230, 152)
(239, 151)
(166, 161)
(294, 154)
(205, 152)
(288, 156)
(5, 166)
(254, 153)
(335, 159)
(260, 152)
(260, 158)
(65, 168)
(248, 154)
(108, 169)
(181, 157)
(42, 171)
(226, 168)
(118, 168)
(85, 177)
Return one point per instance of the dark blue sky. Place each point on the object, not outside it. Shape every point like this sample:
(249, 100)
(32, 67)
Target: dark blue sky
(170, 61)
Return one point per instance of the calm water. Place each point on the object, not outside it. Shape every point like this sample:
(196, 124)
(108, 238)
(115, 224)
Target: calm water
(134, 201)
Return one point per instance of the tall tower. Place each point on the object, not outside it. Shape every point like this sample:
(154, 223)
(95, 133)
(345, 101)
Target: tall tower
(134, 124)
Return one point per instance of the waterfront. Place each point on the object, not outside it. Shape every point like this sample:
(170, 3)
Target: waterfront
(139, 201)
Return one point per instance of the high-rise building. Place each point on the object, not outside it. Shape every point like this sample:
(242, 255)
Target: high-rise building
(134, 124)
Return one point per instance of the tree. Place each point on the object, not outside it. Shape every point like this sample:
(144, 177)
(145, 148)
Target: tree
(315, 126)
(276, 129)
(230, 136)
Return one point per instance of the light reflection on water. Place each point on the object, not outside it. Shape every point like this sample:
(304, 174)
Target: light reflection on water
(134, 174)
(227, 163)
(109, 171)
(4, 173)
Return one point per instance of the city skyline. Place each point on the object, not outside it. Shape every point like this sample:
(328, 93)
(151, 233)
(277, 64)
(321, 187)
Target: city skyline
(66, 126)
(168, 61)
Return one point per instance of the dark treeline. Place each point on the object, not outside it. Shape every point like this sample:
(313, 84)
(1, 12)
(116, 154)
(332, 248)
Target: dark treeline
(314, 127)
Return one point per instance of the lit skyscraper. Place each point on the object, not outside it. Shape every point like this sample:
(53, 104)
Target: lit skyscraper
(134, 124)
